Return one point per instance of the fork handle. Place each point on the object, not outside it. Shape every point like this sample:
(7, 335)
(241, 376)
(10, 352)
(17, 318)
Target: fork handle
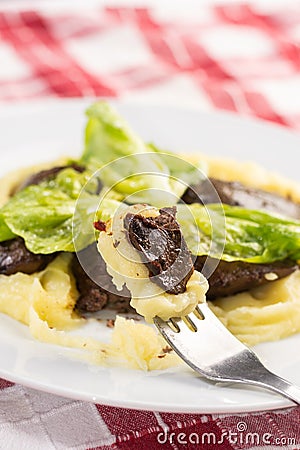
(275, 383)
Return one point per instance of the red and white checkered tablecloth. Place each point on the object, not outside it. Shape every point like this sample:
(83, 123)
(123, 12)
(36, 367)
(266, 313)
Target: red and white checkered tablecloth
(237, 57)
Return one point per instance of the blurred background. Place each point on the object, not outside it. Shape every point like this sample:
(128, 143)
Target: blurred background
(237, 56)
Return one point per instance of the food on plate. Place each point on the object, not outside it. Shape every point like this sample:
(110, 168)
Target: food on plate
(153, 260)
(158, 238)
(163, 225)
(233, 277)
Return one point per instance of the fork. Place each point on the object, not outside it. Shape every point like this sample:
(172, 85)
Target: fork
(205, 344)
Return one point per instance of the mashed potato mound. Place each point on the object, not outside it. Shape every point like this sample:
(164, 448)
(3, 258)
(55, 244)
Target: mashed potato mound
(51, 293)
(45, 301)
(266, 313)
(138, 346)
(132, 345)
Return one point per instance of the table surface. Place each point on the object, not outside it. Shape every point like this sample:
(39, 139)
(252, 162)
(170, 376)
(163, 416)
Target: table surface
(242, 57)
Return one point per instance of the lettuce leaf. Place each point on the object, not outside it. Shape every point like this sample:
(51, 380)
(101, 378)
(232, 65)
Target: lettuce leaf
(5, 232)
(250, 235)
(142, 169)
(42, 214)
(108, 136)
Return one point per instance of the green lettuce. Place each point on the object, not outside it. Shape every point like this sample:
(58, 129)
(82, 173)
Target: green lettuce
(42, 214)
(5, 231)
(108, 136)
(143, 173)
(249, 235)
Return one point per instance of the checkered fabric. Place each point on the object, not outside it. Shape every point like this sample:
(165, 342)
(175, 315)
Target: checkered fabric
(236, 57)
(34, 420)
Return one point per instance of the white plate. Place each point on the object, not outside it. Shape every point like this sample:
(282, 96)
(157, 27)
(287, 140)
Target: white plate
(38, 132)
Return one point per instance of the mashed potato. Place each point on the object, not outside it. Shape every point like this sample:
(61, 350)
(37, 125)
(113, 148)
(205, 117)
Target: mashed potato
(266, 313)
(44, 301)
(52, 293)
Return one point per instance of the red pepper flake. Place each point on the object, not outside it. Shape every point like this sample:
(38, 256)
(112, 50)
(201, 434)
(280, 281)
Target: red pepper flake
(161, 356)
(100, 225)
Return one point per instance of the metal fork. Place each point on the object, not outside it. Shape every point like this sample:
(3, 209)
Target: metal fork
(206, 345)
